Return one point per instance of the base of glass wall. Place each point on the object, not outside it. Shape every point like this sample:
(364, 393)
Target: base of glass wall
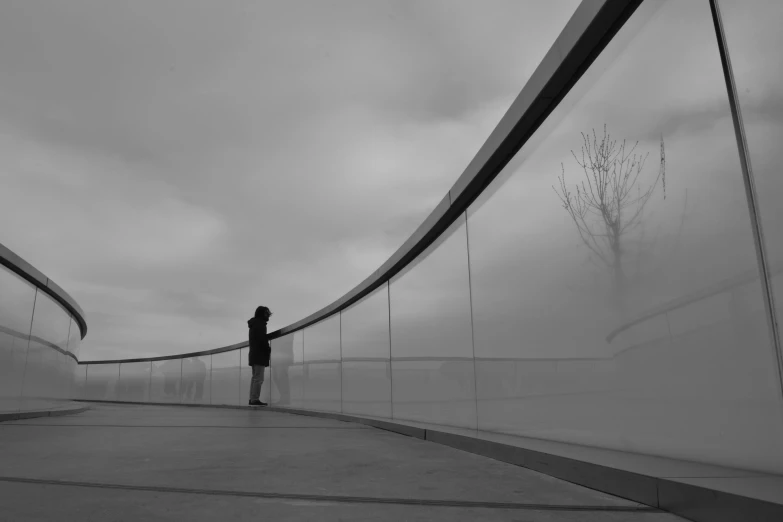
(18, 409)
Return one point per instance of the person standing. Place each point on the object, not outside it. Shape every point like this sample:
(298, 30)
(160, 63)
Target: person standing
(258, 353)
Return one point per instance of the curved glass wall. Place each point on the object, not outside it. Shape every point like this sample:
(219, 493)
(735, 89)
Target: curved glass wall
(431, 335)
(39, 343)
(322, 380)
(630, 201)
(603, 290)
(366, 353)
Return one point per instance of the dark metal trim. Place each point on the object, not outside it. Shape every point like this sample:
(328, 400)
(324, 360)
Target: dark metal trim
(750, 190)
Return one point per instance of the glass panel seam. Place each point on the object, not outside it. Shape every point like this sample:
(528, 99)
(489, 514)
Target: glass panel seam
(391, 366)
(341, 361)
(472, 333)
(68, 339)
(750, 189)
(29, 340)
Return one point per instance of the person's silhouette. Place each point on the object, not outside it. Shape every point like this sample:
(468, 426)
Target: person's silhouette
(258, 353)
(188, 379)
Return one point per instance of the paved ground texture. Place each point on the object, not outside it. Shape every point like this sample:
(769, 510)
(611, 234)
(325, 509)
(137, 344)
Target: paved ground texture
(151, 463)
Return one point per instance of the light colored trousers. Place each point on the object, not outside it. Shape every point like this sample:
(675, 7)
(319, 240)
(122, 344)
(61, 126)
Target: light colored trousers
(256, 381)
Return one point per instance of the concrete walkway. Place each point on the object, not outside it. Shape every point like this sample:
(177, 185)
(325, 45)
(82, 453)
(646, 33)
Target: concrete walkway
(127, 462)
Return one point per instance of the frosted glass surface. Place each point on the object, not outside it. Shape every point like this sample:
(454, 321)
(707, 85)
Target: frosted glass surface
(134, 382)
(366, 368)
(285, 374)
(631, 333)
(288, 370)
(166, 381)
(78, 389)
(49, 337)
(16, 314)
(431, 338)
(322, 380)
(102, 382)
(225, 378)
(74, 338)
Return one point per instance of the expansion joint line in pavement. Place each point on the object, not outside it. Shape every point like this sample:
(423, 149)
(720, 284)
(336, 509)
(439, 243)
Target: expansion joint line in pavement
(173, 426)
(338, 498)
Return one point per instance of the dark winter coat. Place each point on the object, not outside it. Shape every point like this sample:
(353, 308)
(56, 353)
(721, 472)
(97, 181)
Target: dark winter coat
(259, 352)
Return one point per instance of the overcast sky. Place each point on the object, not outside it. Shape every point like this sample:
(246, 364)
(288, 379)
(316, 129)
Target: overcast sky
(173, 164)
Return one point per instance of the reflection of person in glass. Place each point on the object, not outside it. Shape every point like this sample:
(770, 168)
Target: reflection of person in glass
(199, 376)
(258, 353)
(187, 379)
(283, 358)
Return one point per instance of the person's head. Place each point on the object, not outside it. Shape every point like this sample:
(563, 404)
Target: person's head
(263, 313)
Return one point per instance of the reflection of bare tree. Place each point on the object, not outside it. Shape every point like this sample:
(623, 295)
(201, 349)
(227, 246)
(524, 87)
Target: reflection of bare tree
(608, 205)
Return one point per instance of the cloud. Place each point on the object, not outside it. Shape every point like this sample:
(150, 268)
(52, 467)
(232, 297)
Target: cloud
(174, 168)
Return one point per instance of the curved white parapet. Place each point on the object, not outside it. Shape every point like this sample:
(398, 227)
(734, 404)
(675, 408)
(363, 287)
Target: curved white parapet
(41, 327)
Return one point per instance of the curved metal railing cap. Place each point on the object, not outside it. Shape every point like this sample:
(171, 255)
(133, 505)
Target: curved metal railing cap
(12, 261)
(583, 37)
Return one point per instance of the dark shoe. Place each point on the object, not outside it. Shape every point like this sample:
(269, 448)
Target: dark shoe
(256, 402)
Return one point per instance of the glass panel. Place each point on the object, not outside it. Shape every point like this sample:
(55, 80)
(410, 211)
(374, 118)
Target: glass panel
(16, 314)
(285, 364)
(225, 378)
(754, 40)
(195, 380)
(72, 369)
(61, 375)
(322, 365)
(51, 323)
(431, 337)
(282, 353)
(134, 382)
(74, 338)
(628, 329)
(166, 382)
(101, 382)
(365, 349)
(79, 381)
